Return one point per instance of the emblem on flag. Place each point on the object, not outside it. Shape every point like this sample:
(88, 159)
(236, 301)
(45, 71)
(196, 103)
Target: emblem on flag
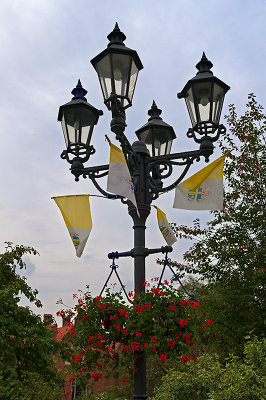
(75, 239)
(198, 194)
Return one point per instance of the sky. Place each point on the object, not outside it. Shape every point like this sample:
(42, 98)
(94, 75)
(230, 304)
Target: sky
(45, 47)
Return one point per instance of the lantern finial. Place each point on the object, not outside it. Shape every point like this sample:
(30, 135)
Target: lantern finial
(79, 92)
(154, 112)
(116, 36)
(204, 65)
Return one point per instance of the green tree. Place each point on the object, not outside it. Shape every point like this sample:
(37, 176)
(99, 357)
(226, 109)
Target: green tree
(27, 345)
(229, 253)
(208, 379)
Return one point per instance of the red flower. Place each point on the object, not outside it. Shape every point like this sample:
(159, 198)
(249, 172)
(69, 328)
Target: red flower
(117, 327)
(163, 357)
(71, 378)
(97, 375)
(138, 334)
(183, 322)
(171, 308)
(123, 312)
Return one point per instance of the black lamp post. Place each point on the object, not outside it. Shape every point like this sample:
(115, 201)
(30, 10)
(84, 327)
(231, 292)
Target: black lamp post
(149, 159)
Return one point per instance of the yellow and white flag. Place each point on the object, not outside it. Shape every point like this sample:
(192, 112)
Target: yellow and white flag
(119, 180)
(203, 190)
(76, 212)
(165, 227)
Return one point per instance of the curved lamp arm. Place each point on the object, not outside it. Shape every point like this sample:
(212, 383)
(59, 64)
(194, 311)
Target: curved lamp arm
(158, 165)
(95, 173)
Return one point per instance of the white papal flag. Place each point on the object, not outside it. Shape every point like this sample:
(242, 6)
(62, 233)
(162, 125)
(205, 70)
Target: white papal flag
(76, 212)
(119, 180)
(165, 227)
(203, 190)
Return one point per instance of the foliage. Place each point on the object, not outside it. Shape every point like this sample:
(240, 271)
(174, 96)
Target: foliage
(108, 335)
(229, 253)
(209, 380)
(26, 343)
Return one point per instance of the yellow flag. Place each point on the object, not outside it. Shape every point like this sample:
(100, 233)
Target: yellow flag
(76, 212)
(165, 227)
(119, 180)
(203, 190)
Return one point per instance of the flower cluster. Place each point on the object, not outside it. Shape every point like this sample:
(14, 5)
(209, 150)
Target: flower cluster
(107, 332)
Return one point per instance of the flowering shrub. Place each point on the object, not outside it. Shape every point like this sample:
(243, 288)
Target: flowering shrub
(107, 334)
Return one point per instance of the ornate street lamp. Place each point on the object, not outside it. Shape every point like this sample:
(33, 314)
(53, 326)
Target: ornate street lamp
(78, 119)
(149, 158)
(117, 67)
(204, 96)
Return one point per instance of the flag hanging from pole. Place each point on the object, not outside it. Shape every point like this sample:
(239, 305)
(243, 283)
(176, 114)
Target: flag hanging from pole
(119, 180)
(203, 190)
(165, 227)
(76, 212)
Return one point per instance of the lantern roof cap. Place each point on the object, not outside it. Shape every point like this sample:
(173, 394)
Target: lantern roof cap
(116, 36)
(204, 74)
(79, 92)
(116, 46)
(204, 65)
(154, 112)
(78, 101)
(155, 121)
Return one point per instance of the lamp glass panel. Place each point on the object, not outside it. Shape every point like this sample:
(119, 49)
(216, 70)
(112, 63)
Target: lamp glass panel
(133, 79)
(202, 98)
(72, 119)
(218, 98)
(157, 140)
(190, 106)
(63, 123)
(169, 145)
(87, 120)
(105, 73)
(146, 137)
(121, 69)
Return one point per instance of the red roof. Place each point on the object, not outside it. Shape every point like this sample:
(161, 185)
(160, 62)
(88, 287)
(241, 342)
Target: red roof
(61, 332)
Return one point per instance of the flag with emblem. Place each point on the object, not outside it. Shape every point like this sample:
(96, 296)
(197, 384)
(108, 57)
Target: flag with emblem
(203, 190)
(165, 227)
(76, 212)
(119, 180)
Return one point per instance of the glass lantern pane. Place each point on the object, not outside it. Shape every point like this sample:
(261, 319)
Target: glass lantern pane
(169, 145)
(218, 98)
(87, 119)
(121, 68)
(72, 118)
(133, 79)
(156, 140)
(202, 97)
(63, 123)
(190, 106)
(146, 137)
(160, 139)
(104, 72)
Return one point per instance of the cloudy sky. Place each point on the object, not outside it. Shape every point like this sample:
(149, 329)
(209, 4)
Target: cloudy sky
(45, 47)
